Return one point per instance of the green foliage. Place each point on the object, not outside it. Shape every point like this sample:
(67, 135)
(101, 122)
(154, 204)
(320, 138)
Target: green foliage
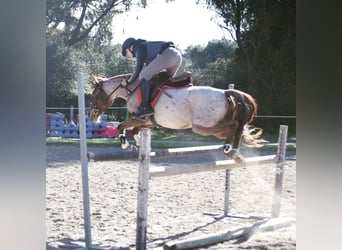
(85, 21)
(211, 64)
(200, 56)
(78, 36)
(264, 63)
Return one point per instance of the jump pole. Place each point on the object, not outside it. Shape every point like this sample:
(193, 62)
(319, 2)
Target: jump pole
(210, 166)
(227, 179)
(157, 153)
(279, 176)
(84, 163)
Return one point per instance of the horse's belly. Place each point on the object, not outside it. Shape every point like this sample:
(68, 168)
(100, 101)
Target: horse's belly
(209, 106)
(173, 111)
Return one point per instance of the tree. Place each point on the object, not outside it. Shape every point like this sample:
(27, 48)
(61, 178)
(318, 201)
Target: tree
(78, 37)
(81, 20)
(210, 64)
(264, 62)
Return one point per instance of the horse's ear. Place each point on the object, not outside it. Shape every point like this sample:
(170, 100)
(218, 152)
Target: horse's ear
(96, 80)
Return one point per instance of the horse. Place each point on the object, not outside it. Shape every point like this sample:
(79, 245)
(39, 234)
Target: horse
(224, 113)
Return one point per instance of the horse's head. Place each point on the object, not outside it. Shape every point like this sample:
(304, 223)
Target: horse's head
(105, 92)
(100, 100)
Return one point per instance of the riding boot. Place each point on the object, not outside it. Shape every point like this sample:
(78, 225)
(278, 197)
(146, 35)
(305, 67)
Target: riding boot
(145, 108)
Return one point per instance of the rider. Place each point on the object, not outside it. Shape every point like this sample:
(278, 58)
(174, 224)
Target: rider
(157, 56)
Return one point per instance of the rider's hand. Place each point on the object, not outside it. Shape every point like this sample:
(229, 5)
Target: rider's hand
(124, 82)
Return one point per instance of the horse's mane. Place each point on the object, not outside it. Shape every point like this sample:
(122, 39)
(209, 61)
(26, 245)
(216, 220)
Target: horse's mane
(99, 79)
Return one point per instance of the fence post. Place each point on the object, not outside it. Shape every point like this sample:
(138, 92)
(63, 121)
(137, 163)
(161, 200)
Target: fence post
(144, 165)
(279, 175)
(71, 113)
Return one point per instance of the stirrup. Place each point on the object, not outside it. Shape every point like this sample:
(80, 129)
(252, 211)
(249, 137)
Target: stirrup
(144, 111)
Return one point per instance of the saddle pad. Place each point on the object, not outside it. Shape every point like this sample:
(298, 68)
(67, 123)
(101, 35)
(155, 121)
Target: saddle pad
(157, 95)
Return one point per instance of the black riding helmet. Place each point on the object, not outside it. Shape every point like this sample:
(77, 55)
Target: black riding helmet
(130, 41)
(127, 43)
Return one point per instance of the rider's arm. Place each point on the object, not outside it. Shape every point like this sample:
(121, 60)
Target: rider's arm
(140, 54)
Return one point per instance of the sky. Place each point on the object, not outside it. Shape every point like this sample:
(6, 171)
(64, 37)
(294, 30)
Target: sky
(183, 21)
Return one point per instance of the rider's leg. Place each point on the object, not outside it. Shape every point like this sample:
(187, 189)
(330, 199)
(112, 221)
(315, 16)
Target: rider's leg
(145, 108)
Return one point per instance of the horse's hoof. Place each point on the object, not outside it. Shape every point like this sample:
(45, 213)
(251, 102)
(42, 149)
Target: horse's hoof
(235, 155)
(125, 146)
(137, 139)
(227, 148)
(124, 143)
(122, 138)
(240, 160)
(134, 147)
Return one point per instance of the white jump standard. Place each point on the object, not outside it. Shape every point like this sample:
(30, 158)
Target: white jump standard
(279, 159)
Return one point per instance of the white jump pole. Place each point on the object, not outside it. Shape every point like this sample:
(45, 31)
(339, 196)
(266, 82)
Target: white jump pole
(210, 166)
(279, 176)
(84, 160)
(143, 179)
(227, 179)
(232, 234)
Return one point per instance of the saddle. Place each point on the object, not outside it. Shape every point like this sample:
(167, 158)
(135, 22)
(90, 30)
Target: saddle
(162, 81)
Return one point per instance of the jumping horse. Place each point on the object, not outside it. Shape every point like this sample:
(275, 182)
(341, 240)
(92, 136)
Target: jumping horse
(226, 114)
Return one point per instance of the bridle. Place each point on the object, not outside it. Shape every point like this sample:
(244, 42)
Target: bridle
(107, 98)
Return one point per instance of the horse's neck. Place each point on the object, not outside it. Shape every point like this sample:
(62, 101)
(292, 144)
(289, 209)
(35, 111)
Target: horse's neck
(132, 101)
(112, 88)
(128, 95)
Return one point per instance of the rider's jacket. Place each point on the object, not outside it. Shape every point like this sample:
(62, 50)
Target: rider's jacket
(146, 52)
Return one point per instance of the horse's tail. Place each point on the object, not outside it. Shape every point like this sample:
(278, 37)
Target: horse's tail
(246, 110)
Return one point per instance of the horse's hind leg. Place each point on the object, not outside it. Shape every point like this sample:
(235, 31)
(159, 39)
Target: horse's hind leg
(236, 139)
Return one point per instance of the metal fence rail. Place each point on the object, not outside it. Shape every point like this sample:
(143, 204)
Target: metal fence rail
(125, 109)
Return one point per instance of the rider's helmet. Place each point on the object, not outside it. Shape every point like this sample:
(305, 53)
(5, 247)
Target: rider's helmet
(128, 42)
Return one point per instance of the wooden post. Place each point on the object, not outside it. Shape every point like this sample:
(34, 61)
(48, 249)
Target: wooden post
(144, 165)
(279, 176)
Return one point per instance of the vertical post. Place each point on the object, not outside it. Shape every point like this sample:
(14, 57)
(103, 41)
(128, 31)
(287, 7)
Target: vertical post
(226, 193)
(84, 160)
(144, 174)
(71, 113)
(227, 184)
(279, 175)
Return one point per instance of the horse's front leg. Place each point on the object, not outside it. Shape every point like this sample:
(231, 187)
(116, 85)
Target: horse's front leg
(136, 125)
(122, 137)
(136, 136)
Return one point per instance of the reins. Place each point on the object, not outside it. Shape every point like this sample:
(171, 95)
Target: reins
(129, 92)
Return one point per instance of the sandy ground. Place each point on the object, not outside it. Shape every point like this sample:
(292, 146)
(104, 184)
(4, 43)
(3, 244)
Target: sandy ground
(180, 207)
